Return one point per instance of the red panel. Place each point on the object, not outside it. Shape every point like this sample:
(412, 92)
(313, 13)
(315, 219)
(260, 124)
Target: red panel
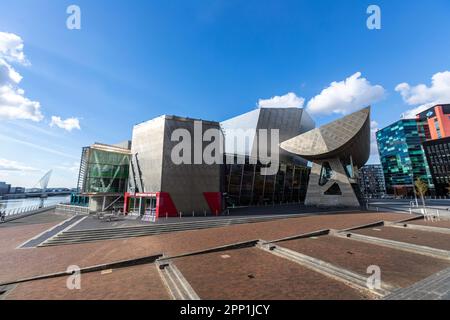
(214, 200)
(125, 203)
(165, 205)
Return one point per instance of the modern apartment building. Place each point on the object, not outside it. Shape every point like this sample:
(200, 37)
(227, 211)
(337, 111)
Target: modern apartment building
(435, 122)
(438, 156)
(371, 181)
(402, 156)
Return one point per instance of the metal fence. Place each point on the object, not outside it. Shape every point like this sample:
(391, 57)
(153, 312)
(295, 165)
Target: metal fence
(427, 212)
(9, 213)
(73, 209)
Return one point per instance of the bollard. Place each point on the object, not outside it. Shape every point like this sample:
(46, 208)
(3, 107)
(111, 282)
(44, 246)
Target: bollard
(410, 211)
(228, 212)
(167, 215)
(181, 214)
(193, 214)
(204, 212)
(378, 209)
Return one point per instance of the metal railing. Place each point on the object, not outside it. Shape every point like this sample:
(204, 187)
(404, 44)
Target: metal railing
(10, 213)
(427, 212)
(73, 209)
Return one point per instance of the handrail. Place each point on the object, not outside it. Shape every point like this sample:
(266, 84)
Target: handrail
(72, 208)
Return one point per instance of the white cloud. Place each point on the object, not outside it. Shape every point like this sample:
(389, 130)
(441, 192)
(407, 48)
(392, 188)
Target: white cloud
(9, 165)
(13, 102)
(346, 96)
(69, 124)
(8, 75)
(424, 96)
(11, 48)
(14, 105)
(289, 100)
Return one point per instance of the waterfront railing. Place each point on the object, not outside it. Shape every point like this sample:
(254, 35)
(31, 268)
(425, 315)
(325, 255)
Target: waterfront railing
(13, 212)
(73, 209)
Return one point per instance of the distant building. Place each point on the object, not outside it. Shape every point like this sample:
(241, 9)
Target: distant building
(16, 190)
(435, 122)
(438, 156)
(402, 156)
(4, 188)
(371, 181)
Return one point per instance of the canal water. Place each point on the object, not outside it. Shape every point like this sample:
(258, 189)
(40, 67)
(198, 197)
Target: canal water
(14, 204)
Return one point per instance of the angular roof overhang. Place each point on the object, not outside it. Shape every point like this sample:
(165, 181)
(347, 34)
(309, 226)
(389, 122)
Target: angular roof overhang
(345, 137)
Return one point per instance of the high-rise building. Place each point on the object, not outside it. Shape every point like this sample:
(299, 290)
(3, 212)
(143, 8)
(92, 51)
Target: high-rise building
(371, 181)
(402, 156)
(435, 122)
(438, 156)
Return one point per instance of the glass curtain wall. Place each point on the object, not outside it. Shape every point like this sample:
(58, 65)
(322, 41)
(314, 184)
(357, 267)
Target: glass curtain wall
(244, 185)
(107, 172)
(402, 155)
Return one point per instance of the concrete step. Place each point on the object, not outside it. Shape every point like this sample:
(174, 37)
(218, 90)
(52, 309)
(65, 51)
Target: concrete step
(177, 285)
(81, 236)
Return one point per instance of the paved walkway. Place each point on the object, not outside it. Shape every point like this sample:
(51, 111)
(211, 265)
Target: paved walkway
(436, 287)
(52, 232)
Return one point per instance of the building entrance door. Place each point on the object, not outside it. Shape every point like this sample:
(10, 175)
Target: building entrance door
(148, 211)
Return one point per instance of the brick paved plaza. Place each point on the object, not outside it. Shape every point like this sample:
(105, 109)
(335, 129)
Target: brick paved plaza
(237, 273)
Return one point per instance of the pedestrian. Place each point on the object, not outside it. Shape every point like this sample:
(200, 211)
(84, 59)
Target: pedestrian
(2, 215)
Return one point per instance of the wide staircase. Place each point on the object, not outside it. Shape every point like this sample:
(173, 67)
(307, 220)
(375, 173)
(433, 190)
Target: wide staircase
(91, 235)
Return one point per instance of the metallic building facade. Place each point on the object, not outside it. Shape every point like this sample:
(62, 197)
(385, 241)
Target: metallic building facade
(336, 150)
(160, 187)
(242, 183)
(142, 172)
(402, 156)
(371, 181)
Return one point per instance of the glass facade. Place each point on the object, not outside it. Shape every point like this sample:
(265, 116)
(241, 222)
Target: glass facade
(105, 172)
(402, 155)
(438, 157)
(244, 185)
(371, 181)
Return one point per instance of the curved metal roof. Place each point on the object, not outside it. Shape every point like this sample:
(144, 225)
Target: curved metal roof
(346, 136)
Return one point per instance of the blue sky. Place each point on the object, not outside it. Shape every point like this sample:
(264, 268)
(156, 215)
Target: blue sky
(134, 60)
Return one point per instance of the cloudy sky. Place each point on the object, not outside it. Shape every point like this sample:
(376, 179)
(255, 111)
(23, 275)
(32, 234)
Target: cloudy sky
(62, 89)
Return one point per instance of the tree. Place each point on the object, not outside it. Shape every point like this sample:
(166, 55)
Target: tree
(421, 188)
